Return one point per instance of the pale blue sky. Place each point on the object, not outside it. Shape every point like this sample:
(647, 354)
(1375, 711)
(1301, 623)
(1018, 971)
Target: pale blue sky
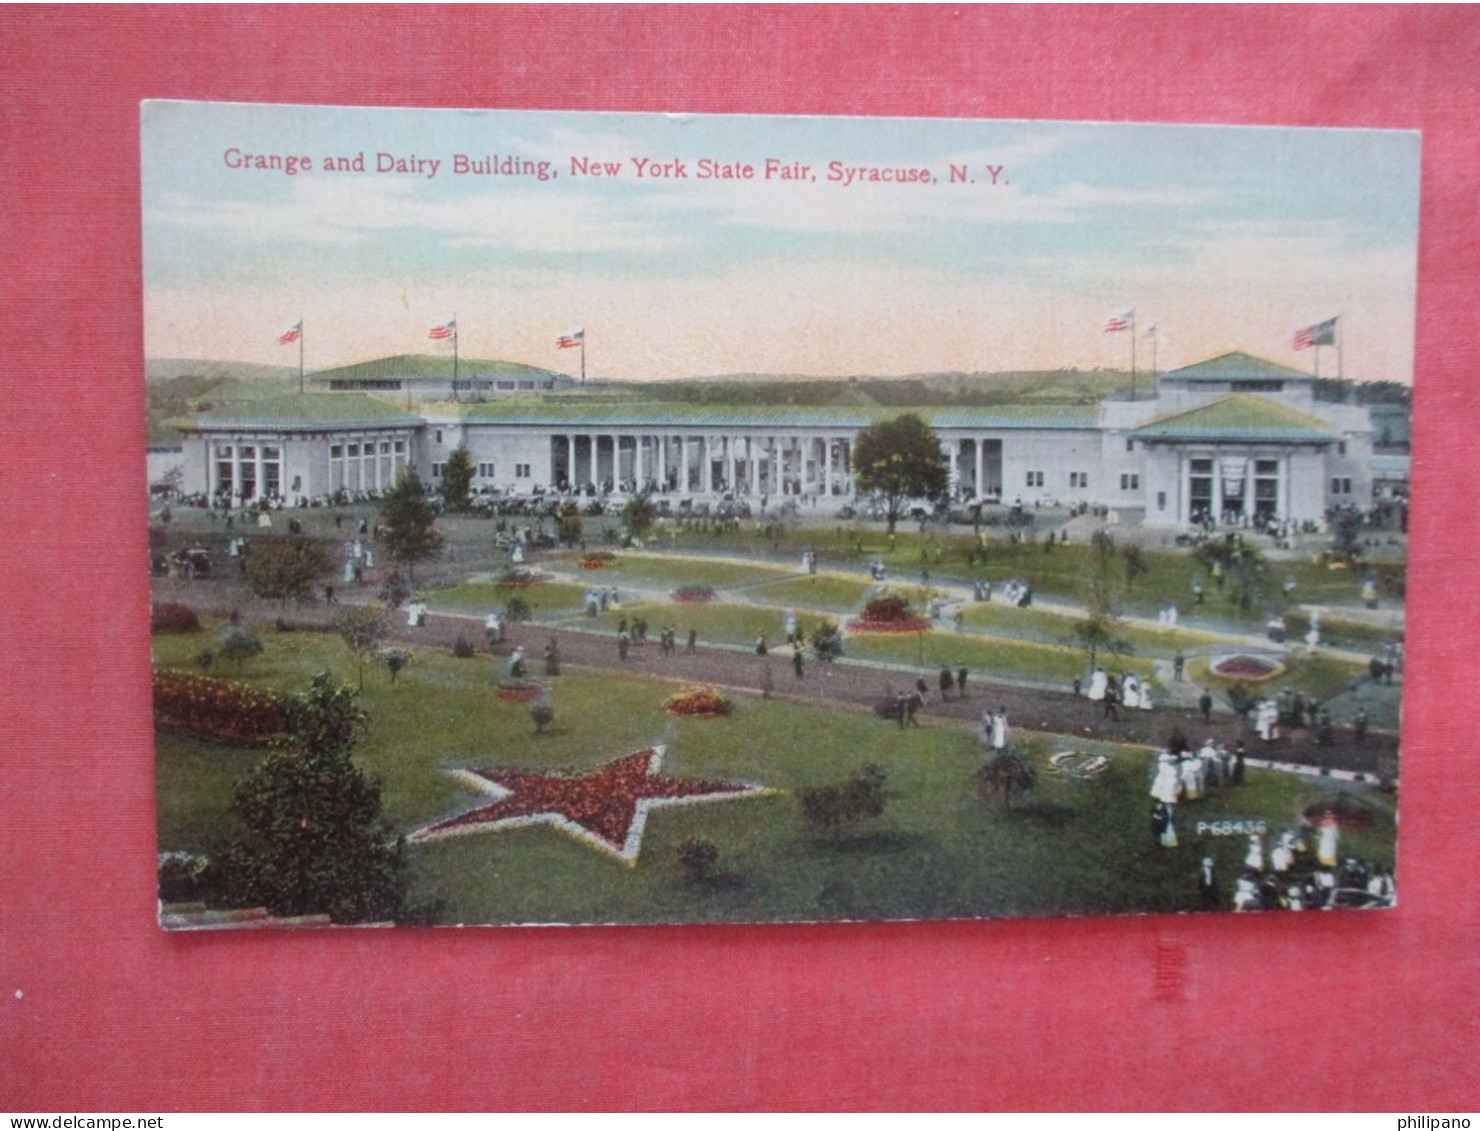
(1224, 238)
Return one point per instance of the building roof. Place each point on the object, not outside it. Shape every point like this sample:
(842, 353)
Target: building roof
(1235, 366)
(429, 367)
(1237, 417)
(309, 412)
(649, 414)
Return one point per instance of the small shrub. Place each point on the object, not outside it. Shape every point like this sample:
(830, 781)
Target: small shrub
(239, 644)
(542, 714)
(462, 647)
(1006, 776)
(172, 617)
(860, 797)
(183, 877)
(396, 661)
(698, 860)
(517, 609)
(827, 641)
(887, 608)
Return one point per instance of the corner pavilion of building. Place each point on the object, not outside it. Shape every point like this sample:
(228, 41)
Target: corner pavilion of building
(1234, 438)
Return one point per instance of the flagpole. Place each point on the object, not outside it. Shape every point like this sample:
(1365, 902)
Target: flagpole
(1336, 333)
(300, 355)
(583, 358)
(454, 355)
(1153, 354)
(1133, 355)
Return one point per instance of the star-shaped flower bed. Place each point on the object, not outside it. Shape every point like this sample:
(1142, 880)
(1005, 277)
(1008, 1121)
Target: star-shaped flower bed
(606, 808)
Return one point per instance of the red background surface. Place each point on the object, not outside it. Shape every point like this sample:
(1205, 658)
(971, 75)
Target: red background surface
(99, 1010)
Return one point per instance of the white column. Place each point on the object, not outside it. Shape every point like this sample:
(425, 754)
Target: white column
(981, 466)
(706, 472)
(827, 466)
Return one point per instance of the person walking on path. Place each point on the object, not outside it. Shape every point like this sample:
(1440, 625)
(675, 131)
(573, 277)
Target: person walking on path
(796, 658)
(1205, 705)
(945, 684)
(623, 643)
(961, 682)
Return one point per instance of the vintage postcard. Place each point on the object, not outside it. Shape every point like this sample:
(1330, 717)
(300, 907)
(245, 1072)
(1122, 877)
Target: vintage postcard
(608, 518)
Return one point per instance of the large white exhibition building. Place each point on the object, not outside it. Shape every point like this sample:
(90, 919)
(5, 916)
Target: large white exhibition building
(1234, 438)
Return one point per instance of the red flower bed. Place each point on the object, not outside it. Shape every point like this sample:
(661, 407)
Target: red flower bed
(218, 709)
(886, 608)
(1244, 667)
(519, 692)
(521, 578)
(692, 594)
(699, 703)
(908, 624)
(595, 563)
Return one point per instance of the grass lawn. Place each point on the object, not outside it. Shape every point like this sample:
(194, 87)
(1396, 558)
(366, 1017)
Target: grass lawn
(666, 573)
(938, 850)
(716, 622)
(984, 655)
(1050, 627)
(835, 594)
(548, 600)
(1059, 572)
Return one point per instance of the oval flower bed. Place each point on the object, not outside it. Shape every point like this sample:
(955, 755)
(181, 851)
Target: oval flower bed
(699, 703)
(1244, 666)
(888, 614)
(518, 691)
(521, 578)
(692, 594)
(598, 560)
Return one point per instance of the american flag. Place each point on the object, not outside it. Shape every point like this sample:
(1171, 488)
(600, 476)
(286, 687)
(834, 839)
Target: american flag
(443, 332)
(1321, 334)
(1122, 321)
(576, 338)
(291, 334)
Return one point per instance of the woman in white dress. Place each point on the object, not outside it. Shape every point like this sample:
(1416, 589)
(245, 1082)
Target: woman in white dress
(1097, 684)
(1166, 786)
(1190, 773)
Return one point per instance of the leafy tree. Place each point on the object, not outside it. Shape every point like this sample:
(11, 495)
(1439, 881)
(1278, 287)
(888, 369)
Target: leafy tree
(1135, 565)
(239, 644)
(1006, 776)
(410, 522)
(900, 458)
(568, 524)
(1099, 629)
(315, 838)
(457, 480)
(285, 569)
(639, 515)
(362, 629)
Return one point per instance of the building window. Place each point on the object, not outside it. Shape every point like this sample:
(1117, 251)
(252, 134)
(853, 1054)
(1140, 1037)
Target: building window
(1035, 479)
(506, 386)
(521, 471)
(1341, 486)
(1200, 490)
(437, 470)
(1161, 500)
(439, 435)
(1130, 445)
(1079, 479)
(1341, 447)
(526, 384)
(1130, 481)
(485, 471)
